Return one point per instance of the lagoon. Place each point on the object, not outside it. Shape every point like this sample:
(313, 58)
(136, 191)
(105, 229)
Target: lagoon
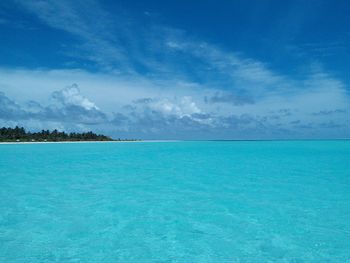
(232, 201)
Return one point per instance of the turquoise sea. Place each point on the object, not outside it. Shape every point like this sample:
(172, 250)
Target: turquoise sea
(239, 201)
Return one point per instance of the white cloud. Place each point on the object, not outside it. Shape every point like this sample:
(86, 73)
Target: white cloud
(72, 96)
(184, 107)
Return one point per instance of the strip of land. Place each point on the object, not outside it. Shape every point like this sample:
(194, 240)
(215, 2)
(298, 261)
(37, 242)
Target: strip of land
(20, 135)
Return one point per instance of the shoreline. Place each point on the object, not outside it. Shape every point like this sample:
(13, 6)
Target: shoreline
(61, 142)
(9, 143)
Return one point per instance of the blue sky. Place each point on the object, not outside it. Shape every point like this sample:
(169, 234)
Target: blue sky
(177, 69)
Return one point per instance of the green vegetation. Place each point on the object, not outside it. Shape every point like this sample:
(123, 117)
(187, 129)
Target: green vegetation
(19, 134)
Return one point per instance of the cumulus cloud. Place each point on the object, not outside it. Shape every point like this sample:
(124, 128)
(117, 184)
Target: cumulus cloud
(159, 115)
(71, 96)
(182, 107)
(69, 107)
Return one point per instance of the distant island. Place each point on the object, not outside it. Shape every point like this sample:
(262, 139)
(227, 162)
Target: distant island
(19, 134)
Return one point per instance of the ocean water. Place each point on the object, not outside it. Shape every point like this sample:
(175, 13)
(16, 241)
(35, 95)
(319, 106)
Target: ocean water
(267, 201)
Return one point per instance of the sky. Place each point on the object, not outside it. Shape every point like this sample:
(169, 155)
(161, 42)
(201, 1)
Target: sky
(238, 69)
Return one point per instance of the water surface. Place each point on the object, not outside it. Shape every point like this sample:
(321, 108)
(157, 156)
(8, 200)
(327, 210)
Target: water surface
(286, 201)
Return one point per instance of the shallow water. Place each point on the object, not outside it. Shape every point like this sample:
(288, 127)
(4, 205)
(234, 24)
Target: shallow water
(286, 201)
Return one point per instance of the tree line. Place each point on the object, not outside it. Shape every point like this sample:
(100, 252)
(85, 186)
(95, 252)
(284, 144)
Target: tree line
(20, 134)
